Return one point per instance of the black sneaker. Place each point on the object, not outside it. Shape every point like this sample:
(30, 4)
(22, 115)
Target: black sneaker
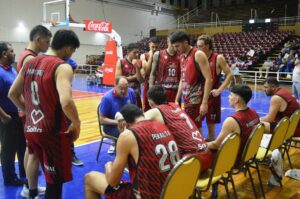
(14, 182)
(76, 161)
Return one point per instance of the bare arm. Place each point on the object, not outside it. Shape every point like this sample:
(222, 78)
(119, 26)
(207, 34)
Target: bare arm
(179, 92)
(138, 65)
(147, 64)
(4, 117)
(275, 104)
(118, 69)
(221, 62)
(153, 69)
(154, 114)
(105, 120)
(125, 145)
(16, 92)
(63, 77)
(202, 61)
(229, 126)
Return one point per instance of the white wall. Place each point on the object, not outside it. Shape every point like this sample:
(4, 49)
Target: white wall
(130, 23)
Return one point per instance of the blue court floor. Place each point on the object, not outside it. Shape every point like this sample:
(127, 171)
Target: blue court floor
(88, 152)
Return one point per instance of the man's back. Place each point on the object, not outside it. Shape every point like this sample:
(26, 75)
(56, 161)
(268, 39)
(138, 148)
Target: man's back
(157, 155)
(183, 129)
(43, 110)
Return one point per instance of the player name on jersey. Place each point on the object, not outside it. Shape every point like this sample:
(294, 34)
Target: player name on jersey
(158, 136)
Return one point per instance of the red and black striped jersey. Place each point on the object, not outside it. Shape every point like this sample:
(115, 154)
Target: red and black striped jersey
(158, 153)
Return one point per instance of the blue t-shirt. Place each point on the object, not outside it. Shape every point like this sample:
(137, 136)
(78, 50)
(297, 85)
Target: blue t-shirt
(111, 104)
(7, 77)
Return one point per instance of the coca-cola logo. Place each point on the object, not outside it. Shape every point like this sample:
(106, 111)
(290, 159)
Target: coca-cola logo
(98, 26)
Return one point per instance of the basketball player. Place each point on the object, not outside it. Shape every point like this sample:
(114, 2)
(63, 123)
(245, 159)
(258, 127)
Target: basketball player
(242, 121)
(166, 71)
(150, 151)
(147, 60)
(40, 38)
(185, 132)
(130, 67)
(282, 104)
(46, 84)
(195, 81)
(217, 64)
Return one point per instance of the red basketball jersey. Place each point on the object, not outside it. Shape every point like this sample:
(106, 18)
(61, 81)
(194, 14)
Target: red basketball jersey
(247, 120)
(23, 56)
(192, 79)
(168, 70)
(185, 132)
(158, 153)
(43, 110)
(128, 69)
(213, 69)
(292, 106)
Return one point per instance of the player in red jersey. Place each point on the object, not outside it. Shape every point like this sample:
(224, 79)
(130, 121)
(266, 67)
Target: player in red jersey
(147, 60)
(242, 121)
(282, 104)
(195, 81)
(150, 151)
(186, 134)
(217, 64)
(40, 38)
(130, 67)
(166, 71)
(46, 84)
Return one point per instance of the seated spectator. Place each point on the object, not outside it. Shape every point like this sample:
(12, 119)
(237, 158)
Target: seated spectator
(266, 66)
(243, 121)
(296, 80)
(111, 103)
(282, 104)
(149, 150)
(189, 140)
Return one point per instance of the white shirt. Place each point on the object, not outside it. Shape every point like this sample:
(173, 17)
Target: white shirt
(296, 74)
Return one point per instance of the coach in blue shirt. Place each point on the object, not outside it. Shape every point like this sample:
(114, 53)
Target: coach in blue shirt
(112, 102)
(11, 128)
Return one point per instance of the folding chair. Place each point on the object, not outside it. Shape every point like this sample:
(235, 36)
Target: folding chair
(249, 152)
(182, 179)
(223, 163)
(103, 135)
(264, 154)
(294, 120)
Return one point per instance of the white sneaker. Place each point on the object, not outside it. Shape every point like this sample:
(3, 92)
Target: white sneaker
(25, 191)
(111, 149)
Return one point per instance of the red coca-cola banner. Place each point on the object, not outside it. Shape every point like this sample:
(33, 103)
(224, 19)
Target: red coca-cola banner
(110, 62)
(98, 26)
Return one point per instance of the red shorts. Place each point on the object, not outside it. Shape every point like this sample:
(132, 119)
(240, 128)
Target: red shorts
(146, 105)
(54, 154)
(213, 114)
(171, 95)
(206, 158)
(193, 110)
(122, 190)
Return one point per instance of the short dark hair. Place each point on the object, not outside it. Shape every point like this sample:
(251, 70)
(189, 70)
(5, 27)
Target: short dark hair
(243, 91)
(132, 46)
(207, 40)
(154, 40)
(3, 47)
(65, 38)
(272, 80)
(157, 94)
(179, 36)
(39, 30)
(130, 112)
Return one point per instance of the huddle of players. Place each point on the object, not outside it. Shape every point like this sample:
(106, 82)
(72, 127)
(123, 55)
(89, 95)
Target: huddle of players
(183, 71)
(179, 70)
